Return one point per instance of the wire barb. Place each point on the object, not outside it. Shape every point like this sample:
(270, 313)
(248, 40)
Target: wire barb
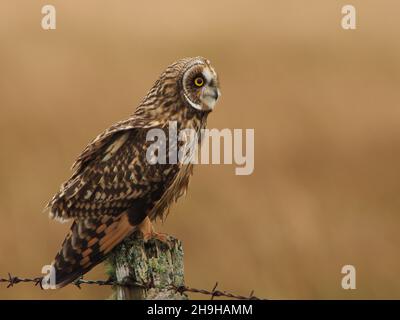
(14, 280)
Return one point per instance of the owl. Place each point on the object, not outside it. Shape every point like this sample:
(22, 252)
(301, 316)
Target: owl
(114, 190)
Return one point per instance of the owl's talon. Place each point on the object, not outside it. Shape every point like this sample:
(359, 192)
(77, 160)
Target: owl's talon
(162, 237)
(148, 232)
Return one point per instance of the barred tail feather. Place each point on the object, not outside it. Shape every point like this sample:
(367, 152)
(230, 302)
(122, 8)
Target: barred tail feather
(87, 244)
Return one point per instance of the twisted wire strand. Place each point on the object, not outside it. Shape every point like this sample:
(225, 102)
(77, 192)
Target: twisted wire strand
(11, 281)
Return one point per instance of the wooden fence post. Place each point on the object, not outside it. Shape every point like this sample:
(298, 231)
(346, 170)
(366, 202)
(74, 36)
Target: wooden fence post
(154, 262)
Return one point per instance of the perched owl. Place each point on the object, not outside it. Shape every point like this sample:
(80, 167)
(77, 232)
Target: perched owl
(114, 190)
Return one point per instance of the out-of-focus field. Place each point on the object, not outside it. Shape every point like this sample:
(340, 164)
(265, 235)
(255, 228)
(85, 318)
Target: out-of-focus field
(324, 103)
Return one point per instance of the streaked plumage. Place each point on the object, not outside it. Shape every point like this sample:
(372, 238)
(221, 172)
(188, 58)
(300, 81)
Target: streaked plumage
(114, 190)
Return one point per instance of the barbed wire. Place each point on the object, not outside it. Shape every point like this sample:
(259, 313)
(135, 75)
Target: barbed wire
(14, 280)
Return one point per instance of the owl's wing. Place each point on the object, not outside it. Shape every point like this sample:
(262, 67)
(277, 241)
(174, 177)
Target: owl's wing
(110, 193)
(111, 176)
(100, 141)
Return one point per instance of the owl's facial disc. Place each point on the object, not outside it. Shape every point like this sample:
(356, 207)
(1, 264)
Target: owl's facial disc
(200, 86)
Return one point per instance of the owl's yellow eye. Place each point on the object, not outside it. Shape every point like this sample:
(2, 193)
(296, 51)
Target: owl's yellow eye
(199, 81)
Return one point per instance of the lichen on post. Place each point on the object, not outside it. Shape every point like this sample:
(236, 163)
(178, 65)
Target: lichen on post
(153, 263)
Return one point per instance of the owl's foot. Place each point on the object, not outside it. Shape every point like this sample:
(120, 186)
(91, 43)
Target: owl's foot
(159, 236)
(148, 231)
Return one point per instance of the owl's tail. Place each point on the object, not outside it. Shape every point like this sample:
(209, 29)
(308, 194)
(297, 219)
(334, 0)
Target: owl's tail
(87, 244)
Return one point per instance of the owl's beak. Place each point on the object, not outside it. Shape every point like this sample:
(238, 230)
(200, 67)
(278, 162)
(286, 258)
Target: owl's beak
(210, 96)
(215, 93)
(212, 92)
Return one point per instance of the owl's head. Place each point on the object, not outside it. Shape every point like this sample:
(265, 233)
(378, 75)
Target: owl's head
(199, 86)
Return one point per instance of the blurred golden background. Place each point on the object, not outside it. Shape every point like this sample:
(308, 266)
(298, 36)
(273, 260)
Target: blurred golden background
(324, 103)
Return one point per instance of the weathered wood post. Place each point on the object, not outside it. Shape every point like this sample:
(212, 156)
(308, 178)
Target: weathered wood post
(153, 262)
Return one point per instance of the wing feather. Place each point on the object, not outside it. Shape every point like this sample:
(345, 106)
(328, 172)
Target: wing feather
(109, 176)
